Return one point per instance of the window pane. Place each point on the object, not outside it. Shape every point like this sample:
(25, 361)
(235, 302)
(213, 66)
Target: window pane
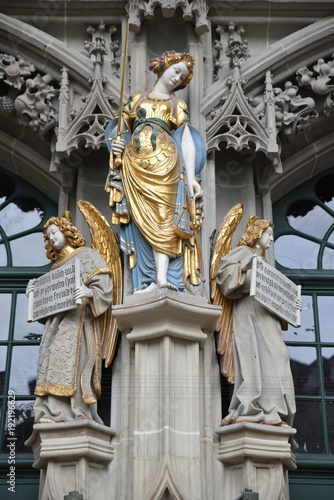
(328, 259)
(7, 186)
(306, 332)
(22, 329)
(5, 305)
(24, 420)
(309, 427)
(295, 252)
(309, 218)
(3, 255)
(330, 424)
(304, 370)
(326, 318)
(324, 189)
(3, 354)
(21, 215)
(29, 251)
(24, 369)
(328, 368)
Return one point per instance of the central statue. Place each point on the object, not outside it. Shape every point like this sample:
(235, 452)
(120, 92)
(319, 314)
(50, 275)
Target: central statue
(153, 182)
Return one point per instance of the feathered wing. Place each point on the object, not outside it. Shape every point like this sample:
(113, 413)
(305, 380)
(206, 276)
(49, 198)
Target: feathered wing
(104, 241)
(222, 246)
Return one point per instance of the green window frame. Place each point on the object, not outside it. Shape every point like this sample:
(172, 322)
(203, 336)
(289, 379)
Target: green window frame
(304, 230)
(23, 212)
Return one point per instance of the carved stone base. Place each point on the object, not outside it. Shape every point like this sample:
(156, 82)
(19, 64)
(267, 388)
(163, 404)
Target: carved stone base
(72, 456)
(165, 330)
(258, 457)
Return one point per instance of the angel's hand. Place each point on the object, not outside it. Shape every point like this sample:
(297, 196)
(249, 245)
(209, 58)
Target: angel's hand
(82, 291)
(248, 265)
(117, 146)
(299, 304)
(30, 287)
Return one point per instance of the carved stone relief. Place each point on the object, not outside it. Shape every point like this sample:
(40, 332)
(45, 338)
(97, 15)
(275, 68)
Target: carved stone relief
(105, 37)
(32, 108)
(320, 80)
(236, 47)
(235, 123)
(282, 112)
(293, 112)
(13, 70)
(195, 11)
(84, 129)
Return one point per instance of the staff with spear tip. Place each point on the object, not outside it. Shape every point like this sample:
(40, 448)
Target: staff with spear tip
(118, 159)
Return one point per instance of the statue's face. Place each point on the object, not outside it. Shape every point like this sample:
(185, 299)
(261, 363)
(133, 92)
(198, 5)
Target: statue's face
(266, 238)
(56, 237)
(174, 75)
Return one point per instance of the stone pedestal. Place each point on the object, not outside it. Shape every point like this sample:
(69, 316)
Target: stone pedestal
(72, 456)
(167, 331)
(258, 457)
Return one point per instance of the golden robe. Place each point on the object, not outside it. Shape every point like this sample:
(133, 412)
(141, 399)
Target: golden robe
(148, 194)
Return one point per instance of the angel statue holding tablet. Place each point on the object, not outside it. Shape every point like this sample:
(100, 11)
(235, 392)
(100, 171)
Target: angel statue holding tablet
(250, 346)
(76, 340)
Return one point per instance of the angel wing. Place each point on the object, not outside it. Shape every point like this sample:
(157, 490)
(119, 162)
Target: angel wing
(104, 241)
(222, 246)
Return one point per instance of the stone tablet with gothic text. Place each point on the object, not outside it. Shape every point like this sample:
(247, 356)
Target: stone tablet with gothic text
(274, 291)
(53, 292)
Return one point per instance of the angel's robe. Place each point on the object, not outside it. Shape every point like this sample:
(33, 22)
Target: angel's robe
(263, 389)
(69, 366)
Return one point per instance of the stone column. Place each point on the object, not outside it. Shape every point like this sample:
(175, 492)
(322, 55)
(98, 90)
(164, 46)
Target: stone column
(256, 456)
(167, 330)
(73, 457)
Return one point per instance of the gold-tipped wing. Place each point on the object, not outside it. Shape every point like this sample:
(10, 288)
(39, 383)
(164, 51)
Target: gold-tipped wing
(223, 246)
(104, 241)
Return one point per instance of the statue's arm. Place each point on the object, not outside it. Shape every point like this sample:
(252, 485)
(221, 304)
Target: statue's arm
(189, 157)
(233, 276)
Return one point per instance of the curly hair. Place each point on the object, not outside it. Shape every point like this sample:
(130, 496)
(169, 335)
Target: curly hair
(72, 234)
(159, 64)
(254, 229)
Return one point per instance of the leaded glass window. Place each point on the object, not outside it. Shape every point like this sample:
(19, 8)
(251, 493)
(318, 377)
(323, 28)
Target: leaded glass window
(23, 213)
(304, 251)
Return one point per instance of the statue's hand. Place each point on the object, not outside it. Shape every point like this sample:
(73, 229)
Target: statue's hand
(248, 265)
(299, 304)
(30, 287)
(195, 189)
(82, 291)
(117, 146)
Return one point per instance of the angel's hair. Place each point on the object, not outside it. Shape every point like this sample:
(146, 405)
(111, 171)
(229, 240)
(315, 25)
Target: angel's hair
(254, 230)
(72, 234)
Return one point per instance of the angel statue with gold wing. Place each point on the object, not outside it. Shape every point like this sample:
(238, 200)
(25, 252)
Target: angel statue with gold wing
(75, 341)
(250, 346)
